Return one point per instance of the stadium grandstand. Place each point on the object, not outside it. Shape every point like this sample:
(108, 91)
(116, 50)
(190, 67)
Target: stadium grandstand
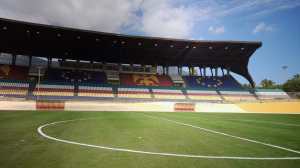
(76, 64)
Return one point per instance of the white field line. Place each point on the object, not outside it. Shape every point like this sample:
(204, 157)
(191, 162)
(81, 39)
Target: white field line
(40, 131)
(225, 134)
(267, 122)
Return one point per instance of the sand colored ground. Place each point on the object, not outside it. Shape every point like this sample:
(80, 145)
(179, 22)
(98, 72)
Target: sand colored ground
(290, 107)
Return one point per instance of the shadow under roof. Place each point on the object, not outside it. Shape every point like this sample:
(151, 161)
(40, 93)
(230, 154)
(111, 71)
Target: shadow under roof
(24, 38)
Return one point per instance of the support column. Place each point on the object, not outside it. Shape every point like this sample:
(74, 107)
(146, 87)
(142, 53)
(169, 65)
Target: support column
(30, 61)
(223, 74)
(193, 71)
(200, 71)
(211, 71)
(104, 67)
(92, 64)
(49, 60)
(167, 70)
(14, 58)
(227, 71)
(120, 67)
(77, 63)
(154, 67)
(180, 68)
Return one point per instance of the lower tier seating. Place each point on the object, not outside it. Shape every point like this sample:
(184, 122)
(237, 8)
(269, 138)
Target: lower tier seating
(271, 94)
(203, 95)
(54, 90)
(95, 91)
(12, 88)
(168, 94)
(238, 95)
(134, 93)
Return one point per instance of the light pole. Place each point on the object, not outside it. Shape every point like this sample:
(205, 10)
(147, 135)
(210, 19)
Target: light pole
(284, 68)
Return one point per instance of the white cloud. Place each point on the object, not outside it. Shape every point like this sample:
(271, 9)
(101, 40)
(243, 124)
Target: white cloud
(166, 18)
(262, 27)
(162, 18)
(216, 30)
(102, 15)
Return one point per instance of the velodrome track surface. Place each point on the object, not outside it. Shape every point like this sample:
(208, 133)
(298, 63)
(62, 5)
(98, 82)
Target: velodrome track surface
(257, 107)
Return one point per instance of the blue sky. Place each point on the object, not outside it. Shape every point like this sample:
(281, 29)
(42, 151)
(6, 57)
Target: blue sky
(279, 33)
(274, 22)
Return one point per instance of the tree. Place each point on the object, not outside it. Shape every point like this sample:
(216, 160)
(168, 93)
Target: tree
(267, 84)
(246, 85)
(292, 85)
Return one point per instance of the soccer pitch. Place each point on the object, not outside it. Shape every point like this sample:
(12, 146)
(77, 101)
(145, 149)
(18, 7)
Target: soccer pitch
(144, 140)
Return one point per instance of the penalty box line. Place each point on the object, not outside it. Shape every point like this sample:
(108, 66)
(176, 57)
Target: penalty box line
(225, 134)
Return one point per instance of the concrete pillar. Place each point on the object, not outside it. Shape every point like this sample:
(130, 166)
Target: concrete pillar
(167, 70)
(222, 71)
(14, 58)
(200, 70)
(227, 71)
(180, 70)
(211, 71)
(30, 61)
(49, 61)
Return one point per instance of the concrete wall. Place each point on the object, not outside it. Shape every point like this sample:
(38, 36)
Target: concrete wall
(107, 106)
(274, 107)
(17, 105)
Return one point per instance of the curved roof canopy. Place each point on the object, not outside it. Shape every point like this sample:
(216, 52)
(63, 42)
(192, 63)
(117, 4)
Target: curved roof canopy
(33, 39)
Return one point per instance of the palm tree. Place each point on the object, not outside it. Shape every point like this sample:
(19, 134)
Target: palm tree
(266, 83)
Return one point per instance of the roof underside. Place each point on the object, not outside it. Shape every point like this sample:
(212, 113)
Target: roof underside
(67, 43)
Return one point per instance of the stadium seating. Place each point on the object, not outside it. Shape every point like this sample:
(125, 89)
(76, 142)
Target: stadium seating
(95, 91)
(62, 83)
(176, 78)
(238, 95)
(145, 80)
(60, 75)
(112, 77)
(80, 76)
(36, 71)
(134, 93)
(13, 72)
(224, 82)
(13, 88)
(269, 94)
(52, 89)
(175, 94)
(203, 95)
(91, 77)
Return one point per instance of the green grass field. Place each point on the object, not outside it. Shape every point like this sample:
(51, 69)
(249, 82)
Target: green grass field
(181, 134)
